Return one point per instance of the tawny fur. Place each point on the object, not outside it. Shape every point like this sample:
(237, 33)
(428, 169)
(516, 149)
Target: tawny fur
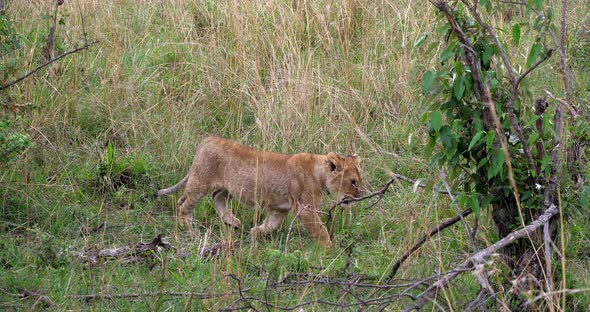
(276, 182)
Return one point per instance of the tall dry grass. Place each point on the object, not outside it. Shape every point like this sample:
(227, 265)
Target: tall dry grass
(287, 76)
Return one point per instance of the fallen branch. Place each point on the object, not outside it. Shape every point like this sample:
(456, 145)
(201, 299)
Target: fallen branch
(40, 298)
(478, 258)
(127, 254)
(216, 250)
(84, 47)
(91, 297)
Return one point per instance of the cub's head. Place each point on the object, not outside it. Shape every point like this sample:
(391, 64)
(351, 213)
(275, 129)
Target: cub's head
(343, 177)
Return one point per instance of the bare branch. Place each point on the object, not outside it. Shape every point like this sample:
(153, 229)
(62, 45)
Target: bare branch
(534, 66)
(84, 47)
(90, 297)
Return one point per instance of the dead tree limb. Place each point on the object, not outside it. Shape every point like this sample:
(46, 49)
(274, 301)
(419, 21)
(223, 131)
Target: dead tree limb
(40, 298)
(479, 258)
(127, 254)
(84, 47)
(50, 46)
(91, 297)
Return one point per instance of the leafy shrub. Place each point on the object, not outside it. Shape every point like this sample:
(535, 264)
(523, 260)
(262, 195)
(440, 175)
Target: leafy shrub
(12, 143)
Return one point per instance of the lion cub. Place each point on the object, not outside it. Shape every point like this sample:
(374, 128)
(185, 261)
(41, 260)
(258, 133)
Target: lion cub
(277, 182)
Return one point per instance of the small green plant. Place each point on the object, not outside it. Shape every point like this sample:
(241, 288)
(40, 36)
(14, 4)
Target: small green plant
(115, 175)
(9, 41)
(285, 264)
(12, 143)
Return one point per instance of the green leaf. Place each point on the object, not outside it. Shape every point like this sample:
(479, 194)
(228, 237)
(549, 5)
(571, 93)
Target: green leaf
(536, 4)
(487, 54)
(516, 34)
(482, 163)
(436, 120)
(446, 137)
(546, 164)
(459, 87)
(448, 53)
(427, 81)
(459, 199)
(490, 139)
(533, 138)
(496, 162)
(585, 197)
(486, 201)
(494, 84)
(531, 121)
(110, 154)
(474, 202)
(534, 54)
(421, 39)
(459, 68)
(429, 148)
(475, 139)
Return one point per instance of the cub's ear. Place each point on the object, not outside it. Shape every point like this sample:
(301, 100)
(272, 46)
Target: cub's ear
(334, 162)
(356, 158)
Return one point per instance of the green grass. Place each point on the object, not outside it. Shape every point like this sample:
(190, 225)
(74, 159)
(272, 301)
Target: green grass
(314, 76)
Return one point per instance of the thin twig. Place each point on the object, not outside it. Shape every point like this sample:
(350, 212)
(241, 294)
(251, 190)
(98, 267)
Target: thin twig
(380, 193)
(441, 226)
(467, 228)
(84, 47)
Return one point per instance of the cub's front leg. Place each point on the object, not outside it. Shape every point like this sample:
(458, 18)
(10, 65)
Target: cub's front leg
(310, 217)
(270, 224)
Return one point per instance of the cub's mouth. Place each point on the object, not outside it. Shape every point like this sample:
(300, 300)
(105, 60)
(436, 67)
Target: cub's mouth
(346, 199)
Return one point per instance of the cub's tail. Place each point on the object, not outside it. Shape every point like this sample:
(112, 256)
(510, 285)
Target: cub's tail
(172, 189)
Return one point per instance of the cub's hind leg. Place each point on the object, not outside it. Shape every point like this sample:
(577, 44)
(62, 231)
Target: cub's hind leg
(186, 204)
(221, 199)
